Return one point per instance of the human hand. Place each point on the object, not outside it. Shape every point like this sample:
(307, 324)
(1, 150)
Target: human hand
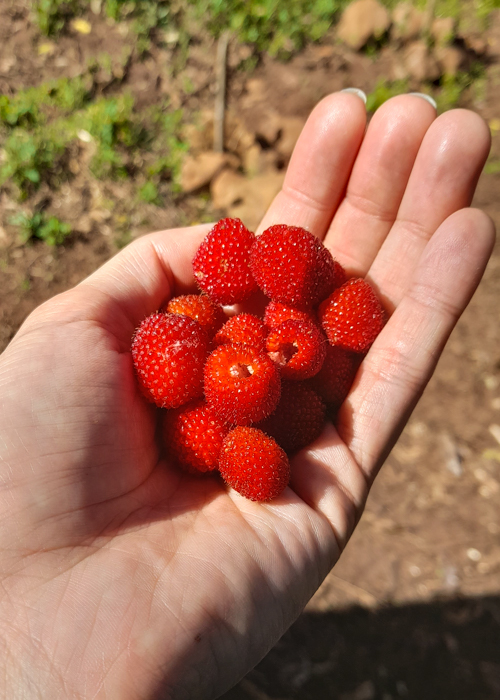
(123, 578)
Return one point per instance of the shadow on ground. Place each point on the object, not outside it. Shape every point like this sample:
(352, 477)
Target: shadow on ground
(446, 650)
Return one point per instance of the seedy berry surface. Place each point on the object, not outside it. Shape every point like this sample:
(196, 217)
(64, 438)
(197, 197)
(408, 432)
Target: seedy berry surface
(352, 316)
(298, 348)
(292, 266)
(221, 264)
(193, 435)
(243, 328)
(298, 419)
(168, 353)
(242, 386)
(253, 464)
(209, 315)
(336, 376)
(277, 313)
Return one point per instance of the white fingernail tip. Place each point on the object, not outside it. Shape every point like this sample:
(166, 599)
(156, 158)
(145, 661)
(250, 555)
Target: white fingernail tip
(429, 99)
(356, 91)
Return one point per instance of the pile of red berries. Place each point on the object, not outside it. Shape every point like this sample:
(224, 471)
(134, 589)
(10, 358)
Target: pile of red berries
(244, 392)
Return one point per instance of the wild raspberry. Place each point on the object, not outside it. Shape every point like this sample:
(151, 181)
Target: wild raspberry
(209, 315)
(298, 348)
(293, 266)
(352, 316)
(193, 437)
(336, 376)
(277, 313)
(221, 264)
(298, 419)
(243, 328)
(168, 353)
(242, 386)
(253, 464)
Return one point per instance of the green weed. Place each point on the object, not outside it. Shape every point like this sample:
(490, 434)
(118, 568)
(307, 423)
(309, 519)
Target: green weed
(52, 15)
(109, 122)
(149, 193)
(492, 167)
(29, 108)
(277, 26)
(38, 226)
(383, 91)
(452, 87)
(28, 157)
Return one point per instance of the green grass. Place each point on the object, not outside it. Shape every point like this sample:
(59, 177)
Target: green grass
(38, 226)
(383, 91)
(29, 157)
(277, 26)
(38, 126)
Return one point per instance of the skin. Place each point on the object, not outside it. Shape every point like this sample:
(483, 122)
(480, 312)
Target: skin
(120, 577)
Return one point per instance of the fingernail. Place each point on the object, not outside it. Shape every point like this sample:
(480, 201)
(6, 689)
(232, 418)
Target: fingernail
(425, 97)
(356, 91)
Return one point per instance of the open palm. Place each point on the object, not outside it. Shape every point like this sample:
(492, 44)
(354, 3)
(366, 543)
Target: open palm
(121, 577)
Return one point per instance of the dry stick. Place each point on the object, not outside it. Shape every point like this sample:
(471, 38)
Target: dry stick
(361, 594)
(220, 96)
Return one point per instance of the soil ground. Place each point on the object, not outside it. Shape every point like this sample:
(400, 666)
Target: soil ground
(413, 608)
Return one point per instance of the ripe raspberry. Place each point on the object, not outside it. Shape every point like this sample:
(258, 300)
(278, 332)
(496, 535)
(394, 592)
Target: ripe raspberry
(193, 436)
(352, 316)
(221, 264)
(298, 419)
(254, 464)
(168, 353)
(298, 348)
(293, 266)
(209, 315)
(242, 386)
(277, 313)
(243, 328)
(336, 376)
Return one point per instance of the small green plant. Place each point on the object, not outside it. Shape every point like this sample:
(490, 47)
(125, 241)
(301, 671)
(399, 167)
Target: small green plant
(38, 226)
(20, 110)
(29, 108)
(168, 146)
(492, 167)
(111, 124)
(30, 156)
(52, 15)
(452, 87)
(149, 193)
(383, 91)
(277, 26)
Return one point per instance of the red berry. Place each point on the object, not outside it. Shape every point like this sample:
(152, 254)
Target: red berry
(221, 264)
(298, 419)
(298, 347)
(254, 464)
(209, 315)
(277, 313)
(241, 385)
(352, 316)
(243, 328)
(293, 266)
(193, 436)
(168, 352)
(336, 376)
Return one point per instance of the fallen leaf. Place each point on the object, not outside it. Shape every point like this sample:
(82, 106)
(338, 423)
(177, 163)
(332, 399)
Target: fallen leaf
(81, 26)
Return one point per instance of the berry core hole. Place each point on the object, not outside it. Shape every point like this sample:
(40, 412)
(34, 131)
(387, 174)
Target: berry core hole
(241, 371)
(284, 354)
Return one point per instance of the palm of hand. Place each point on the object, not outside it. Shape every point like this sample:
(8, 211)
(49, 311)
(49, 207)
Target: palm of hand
(132, 580)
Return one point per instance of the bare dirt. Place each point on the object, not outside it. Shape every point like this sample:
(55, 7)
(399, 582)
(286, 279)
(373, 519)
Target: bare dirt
(413, 608)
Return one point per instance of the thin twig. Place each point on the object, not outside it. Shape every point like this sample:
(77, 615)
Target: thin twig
(361, 594)
(220, 96)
